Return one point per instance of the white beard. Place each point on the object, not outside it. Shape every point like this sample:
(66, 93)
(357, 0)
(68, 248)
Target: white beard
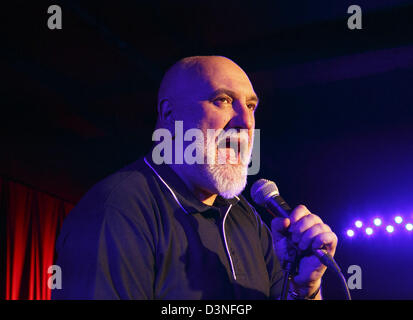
(226, 179)
(229, 180)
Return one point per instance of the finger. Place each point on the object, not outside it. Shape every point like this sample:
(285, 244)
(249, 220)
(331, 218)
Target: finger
(327, 240)
(279, 228)
(306, 222)
(311, 233)
(299, 212)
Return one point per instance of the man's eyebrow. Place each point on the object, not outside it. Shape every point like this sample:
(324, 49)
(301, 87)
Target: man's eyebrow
(231, 93)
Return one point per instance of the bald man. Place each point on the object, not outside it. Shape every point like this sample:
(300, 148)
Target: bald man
(182, 230)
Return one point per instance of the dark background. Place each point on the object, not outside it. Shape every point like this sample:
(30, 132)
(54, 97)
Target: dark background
(335, 114)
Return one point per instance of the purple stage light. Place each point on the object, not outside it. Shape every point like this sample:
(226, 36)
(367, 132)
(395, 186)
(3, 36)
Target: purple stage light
(389, 228)
(350, 233)
(377, 222)
(358, 224)
(369, 231)
(398, 219)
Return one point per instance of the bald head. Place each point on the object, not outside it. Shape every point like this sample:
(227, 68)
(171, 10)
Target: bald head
(191, 71)
(193, 75)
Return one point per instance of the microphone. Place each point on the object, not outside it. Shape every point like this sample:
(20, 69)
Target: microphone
(265, 193)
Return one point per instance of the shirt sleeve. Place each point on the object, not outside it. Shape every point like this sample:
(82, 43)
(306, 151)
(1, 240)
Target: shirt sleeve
(107, 256)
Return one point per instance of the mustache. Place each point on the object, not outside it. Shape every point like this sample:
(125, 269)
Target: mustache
(231, 139)
(238, 140)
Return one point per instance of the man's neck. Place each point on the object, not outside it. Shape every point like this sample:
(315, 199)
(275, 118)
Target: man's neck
(205, 198)
(202, 195)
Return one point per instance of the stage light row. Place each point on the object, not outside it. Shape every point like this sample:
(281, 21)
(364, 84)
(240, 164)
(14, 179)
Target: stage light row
(378, 224)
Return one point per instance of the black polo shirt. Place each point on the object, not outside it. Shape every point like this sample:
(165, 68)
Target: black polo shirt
(141, 234)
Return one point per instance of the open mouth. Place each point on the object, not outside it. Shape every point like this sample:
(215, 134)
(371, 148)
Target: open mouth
(229, 150)
(234, 143)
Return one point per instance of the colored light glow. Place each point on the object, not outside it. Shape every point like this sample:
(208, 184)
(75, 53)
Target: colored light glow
(391, 224)
(389, 229)
(398, 219)
(377, 222)
(350, 232)
(369, 231)
(358, 224)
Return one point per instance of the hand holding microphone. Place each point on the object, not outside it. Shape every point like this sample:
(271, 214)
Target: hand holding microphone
(298, 229)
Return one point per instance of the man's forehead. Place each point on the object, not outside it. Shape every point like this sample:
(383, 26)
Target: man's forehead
(217, 76)
(204, 75)
(249, 95)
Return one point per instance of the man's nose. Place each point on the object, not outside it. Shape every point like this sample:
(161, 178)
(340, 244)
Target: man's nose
(243, 117)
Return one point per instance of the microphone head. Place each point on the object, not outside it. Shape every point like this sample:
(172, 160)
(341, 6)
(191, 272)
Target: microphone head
(263, 189)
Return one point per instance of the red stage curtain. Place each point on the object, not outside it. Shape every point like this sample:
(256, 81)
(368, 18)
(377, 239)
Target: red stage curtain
(33, 220)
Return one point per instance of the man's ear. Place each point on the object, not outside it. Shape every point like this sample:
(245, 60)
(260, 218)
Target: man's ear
(164, 109)
(165, 112)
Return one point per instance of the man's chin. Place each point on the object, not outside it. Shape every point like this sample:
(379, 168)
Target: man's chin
(229, 179)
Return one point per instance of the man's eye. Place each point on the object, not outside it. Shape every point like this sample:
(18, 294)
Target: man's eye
(251, 106)
(223, 100)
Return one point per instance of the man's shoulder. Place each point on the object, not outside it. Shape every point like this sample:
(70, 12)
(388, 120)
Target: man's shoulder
(121, 189)
(125, 193)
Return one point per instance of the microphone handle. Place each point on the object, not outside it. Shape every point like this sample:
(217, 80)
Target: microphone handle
(277, 205)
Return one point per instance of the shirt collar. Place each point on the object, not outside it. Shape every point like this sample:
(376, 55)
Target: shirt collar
(186, 198)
